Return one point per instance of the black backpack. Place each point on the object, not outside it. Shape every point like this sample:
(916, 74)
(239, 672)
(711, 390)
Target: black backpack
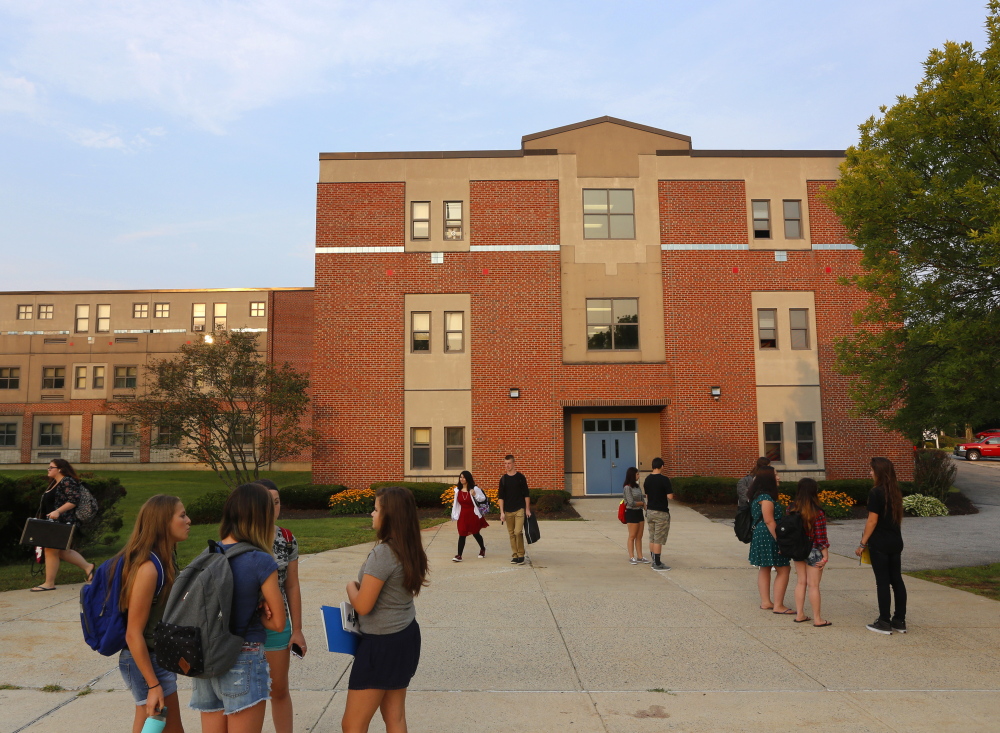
(744, 524)
(792, 539)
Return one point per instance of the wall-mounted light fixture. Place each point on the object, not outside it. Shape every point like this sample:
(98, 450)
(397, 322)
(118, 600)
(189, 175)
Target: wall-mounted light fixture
(515, 392)
(716, 392)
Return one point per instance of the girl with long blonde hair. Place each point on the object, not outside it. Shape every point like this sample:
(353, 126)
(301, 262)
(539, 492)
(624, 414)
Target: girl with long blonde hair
(147, 556)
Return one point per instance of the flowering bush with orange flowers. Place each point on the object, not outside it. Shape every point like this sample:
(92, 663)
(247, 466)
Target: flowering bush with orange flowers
(836, 504)
(353, 501)
(448, 496)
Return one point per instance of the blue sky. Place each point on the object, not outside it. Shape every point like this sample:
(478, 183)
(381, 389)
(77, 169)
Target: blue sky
(174, 145)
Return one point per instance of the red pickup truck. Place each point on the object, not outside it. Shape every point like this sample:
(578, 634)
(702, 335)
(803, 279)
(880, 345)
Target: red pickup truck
(987, 447)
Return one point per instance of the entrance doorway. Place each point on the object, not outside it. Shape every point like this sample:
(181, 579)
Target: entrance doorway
(609, 447)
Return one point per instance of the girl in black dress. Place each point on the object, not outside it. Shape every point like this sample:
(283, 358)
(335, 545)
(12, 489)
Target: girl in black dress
(883, 538)
(59, 503)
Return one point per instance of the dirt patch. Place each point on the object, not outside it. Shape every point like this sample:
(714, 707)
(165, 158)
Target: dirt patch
(712, 511)
(959, 503)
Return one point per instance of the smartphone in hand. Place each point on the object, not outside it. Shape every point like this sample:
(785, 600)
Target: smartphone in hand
(297, 651)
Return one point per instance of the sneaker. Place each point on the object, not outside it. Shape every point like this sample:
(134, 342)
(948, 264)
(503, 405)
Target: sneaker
(482, 554)
(520, 561)
(659, 566)
(898, 626)
(633, 561)
(514, 561)
(880, 627)
(642, 559)
(457, 558)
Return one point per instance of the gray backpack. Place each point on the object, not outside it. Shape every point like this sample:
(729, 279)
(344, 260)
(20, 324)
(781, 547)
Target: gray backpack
(194, 638)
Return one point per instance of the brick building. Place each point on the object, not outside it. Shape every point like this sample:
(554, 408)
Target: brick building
(603, 295)
(66, 357)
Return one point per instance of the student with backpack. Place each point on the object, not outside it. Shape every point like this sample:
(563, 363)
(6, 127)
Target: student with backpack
(279, 644)
(883, 538)
(60, 503)
(389, 650)
(809, 572)
(230, 701)
(467, 512)
(766, 513)
(146, 570)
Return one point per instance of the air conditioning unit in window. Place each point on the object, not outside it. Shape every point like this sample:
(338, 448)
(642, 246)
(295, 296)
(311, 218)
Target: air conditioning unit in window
(198, 327)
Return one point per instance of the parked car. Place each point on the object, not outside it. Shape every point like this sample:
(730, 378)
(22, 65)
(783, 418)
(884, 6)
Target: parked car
(988, 447)
(987, 433)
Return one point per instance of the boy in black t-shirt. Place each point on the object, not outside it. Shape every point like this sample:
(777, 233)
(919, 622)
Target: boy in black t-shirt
(658, 492)
(515, 505)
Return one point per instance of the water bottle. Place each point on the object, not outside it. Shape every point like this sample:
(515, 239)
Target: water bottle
(156, 723)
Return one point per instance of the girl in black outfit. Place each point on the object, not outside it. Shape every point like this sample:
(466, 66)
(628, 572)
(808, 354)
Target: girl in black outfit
(884, 540)
(59, 502)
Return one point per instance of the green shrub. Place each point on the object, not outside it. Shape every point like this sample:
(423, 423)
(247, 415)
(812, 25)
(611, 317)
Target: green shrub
(924, 506)
(308, 496)
(550, 501)
(705, 489)
(207, 508)
(426, 493)
(934, 473)
(563, 497)
(20, 497)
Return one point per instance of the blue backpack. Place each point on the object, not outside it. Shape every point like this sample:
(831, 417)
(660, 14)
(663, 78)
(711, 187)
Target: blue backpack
(104, 623)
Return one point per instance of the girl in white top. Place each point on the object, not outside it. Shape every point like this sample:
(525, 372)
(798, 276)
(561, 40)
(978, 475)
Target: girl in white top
(466, 511)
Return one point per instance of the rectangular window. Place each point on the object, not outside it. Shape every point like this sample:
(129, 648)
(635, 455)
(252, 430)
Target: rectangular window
(167, 435)
(122, 433)
(767, 328)
(98, 382)
(420, 220)
(103, 319)
(608, 213)
(772, 441)
(24, 312)
(454, 447)
(80, 377)
(45, 312)
(454, 331)
(613, 323)
(258, 309)
(125, 377)
(53, 377)
(420, 447)
(453, 220)
(799, 321)
(761, 219)
(420, 332)
(793, 219)
(805, 441)
(82, 318)
(8, 434)
(243, 435)
(10, 377)
(50, 434)
(198, 317)
(161, 310)
(140, 310)
(219, 311)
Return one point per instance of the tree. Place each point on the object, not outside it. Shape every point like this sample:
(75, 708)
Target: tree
(920, 195)
(222, 404)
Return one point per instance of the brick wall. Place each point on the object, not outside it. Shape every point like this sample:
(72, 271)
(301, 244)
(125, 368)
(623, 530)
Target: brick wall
(824, 225)
(514, 212)
(360, 214)
(703, 212)
(290, 339)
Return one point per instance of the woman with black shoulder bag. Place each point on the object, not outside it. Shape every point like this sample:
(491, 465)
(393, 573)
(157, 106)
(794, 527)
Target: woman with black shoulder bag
(59, 503)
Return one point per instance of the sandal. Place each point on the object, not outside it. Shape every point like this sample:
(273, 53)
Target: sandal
(820, 626)
(786, 612)
(801, 620)
(40, 588)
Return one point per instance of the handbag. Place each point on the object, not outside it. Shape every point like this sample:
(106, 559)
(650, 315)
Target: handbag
(48, 533)
(484, 505)
(531, 532)
(621, 512)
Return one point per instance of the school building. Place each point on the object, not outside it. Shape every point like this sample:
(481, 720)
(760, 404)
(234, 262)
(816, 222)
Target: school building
(66, 358)
(602, 295)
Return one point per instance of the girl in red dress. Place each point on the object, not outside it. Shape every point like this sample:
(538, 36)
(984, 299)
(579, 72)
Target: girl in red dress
(466, 511)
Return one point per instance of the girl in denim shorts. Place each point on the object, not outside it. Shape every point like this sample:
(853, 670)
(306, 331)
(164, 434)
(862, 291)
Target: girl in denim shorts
(810, 571)
(159, 526)
(233, 700)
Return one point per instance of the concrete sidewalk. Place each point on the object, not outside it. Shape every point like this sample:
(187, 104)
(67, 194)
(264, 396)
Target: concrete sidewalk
(582, 641)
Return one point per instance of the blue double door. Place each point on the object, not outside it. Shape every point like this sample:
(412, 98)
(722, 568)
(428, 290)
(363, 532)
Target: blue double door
(608, 456)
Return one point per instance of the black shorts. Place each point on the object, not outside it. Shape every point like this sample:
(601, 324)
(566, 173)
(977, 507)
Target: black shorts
(386, 661)
(633, 516)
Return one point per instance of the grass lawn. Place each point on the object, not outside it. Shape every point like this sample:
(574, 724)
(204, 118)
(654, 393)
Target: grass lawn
(314, 535)
(983, 580)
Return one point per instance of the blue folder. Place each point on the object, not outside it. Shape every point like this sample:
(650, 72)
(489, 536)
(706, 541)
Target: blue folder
(337, 639)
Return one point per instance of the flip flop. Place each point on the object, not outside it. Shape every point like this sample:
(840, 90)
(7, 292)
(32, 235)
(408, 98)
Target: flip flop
(39, 589)
(801, 620)
(820, 626)
(786, 612)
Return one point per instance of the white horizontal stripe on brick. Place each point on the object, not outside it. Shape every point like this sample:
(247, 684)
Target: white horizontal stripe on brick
(356, 250)
(835, 246)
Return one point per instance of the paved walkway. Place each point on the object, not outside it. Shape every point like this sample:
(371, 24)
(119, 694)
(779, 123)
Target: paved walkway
(582, 641)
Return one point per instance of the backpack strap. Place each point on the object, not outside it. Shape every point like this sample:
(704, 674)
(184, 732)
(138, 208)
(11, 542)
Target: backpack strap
(160, 575)
(286, 534)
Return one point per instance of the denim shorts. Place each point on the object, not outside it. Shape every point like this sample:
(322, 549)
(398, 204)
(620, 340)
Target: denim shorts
(815, 557)
(243, 686)
(136, 683)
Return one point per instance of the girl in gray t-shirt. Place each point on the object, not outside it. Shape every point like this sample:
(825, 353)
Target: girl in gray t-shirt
(392, 575)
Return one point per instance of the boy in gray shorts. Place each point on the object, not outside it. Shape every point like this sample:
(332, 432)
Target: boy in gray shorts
(658, 492)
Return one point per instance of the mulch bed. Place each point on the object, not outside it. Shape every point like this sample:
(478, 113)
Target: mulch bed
(568, 512)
